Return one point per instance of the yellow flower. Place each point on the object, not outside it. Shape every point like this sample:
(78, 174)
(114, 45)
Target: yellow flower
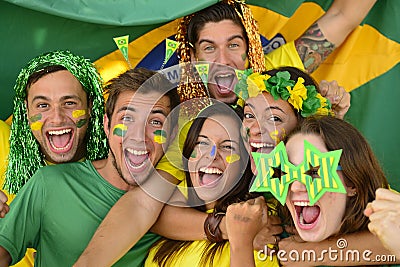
(322, 100)
(255, 84)
(297, 94)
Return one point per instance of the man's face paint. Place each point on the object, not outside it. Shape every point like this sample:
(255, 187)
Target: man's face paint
(160, 136)
(120, 130)
(36, 124)
(79, 113)
(317, 172)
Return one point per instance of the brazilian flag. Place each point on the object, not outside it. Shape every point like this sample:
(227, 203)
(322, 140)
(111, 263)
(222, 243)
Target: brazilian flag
(366, 64)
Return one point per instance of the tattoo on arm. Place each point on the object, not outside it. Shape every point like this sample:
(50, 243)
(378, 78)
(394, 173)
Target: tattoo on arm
(241, 218)
(313, 48)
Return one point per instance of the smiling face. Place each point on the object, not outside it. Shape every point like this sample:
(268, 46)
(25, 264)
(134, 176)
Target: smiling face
(215, 164)
(222, 42)
(58, 115)
(137, 132)
(268, 121)
(323, 219)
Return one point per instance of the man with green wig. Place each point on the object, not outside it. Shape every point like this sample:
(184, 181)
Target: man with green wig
(57, 118)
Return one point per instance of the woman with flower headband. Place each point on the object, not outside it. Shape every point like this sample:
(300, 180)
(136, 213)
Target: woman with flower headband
(276, 102)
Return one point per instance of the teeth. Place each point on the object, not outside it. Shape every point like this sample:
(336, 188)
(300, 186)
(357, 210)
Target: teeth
(137, 152)
(260, 145)
(211, 170)
(60, 132)
(301, 219)
(301, 203)
(223, 75)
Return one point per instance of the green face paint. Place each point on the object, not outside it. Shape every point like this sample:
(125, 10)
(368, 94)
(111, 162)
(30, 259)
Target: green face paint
(78, 113)
(120, 130)
(244, 57)
(232, 158)
(36, 117)
(160, 136)
(194, 154)
(81, 123)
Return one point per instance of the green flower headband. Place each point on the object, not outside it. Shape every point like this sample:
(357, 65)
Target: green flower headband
(304, 98)
(25, 156)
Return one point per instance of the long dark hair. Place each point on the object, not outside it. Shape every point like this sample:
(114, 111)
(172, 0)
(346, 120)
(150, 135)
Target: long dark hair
(171, 248)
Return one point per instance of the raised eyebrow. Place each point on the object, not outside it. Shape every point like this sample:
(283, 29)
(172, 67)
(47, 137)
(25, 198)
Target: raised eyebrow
(268, 108)
(126, 108)
(159, 111)
(236, 36)
(66, 97)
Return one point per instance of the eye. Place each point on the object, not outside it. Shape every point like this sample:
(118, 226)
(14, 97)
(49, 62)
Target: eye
(248, 115)
(202, 143)
(275, 118)
(126, 118)
(70, 103)
(234, 45)
(42, 105)
(156, 123)
(228, 147)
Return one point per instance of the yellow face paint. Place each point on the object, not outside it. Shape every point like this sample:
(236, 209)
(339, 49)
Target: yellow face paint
(78, 113)
(37, 126)
(232, 158)
(120, 130)
(275, 136)
(160, 136)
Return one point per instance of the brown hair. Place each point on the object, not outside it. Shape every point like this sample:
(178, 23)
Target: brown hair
(360, 167)
(132, 80)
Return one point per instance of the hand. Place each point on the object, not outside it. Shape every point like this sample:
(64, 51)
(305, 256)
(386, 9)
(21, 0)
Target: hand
(384, 216)
(4, 208)
(244, 220)
(269, 233)
(339, 97)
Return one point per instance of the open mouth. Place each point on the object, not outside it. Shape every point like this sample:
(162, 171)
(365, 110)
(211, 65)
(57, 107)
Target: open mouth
(225, 83)
(261, 147)
(307, 215)
(136, 159)
(60, 140)
(209, 176)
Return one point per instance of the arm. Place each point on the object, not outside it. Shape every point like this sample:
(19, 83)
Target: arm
(329, 31)
(127, 221)
(4, 208)
(359, 243)
(384, 214)
(5, 258)
(243, 221)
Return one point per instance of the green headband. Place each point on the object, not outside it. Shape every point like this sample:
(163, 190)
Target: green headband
(25, 156)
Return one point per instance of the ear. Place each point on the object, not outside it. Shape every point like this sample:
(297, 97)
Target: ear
(105, 125)
(351, 191)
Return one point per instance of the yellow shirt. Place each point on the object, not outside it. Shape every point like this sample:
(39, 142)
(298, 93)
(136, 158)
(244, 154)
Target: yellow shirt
(191, 257)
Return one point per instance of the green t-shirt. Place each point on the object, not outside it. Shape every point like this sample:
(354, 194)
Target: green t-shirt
(57, 212)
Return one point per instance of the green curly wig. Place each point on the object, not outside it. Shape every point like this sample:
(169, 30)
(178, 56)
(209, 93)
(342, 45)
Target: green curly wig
(25, 156)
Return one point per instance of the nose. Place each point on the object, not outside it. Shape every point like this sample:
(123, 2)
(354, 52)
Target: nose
(296, 187)
(137, 131)
(223, 57)
(257, 128)
(58, 116)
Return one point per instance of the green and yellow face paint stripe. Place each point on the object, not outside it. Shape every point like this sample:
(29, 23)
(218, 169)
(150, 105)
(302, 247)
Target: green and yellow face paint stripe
(120, 130)
(79, 113)
(160, 136)
(36, 124)
(232, 158)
